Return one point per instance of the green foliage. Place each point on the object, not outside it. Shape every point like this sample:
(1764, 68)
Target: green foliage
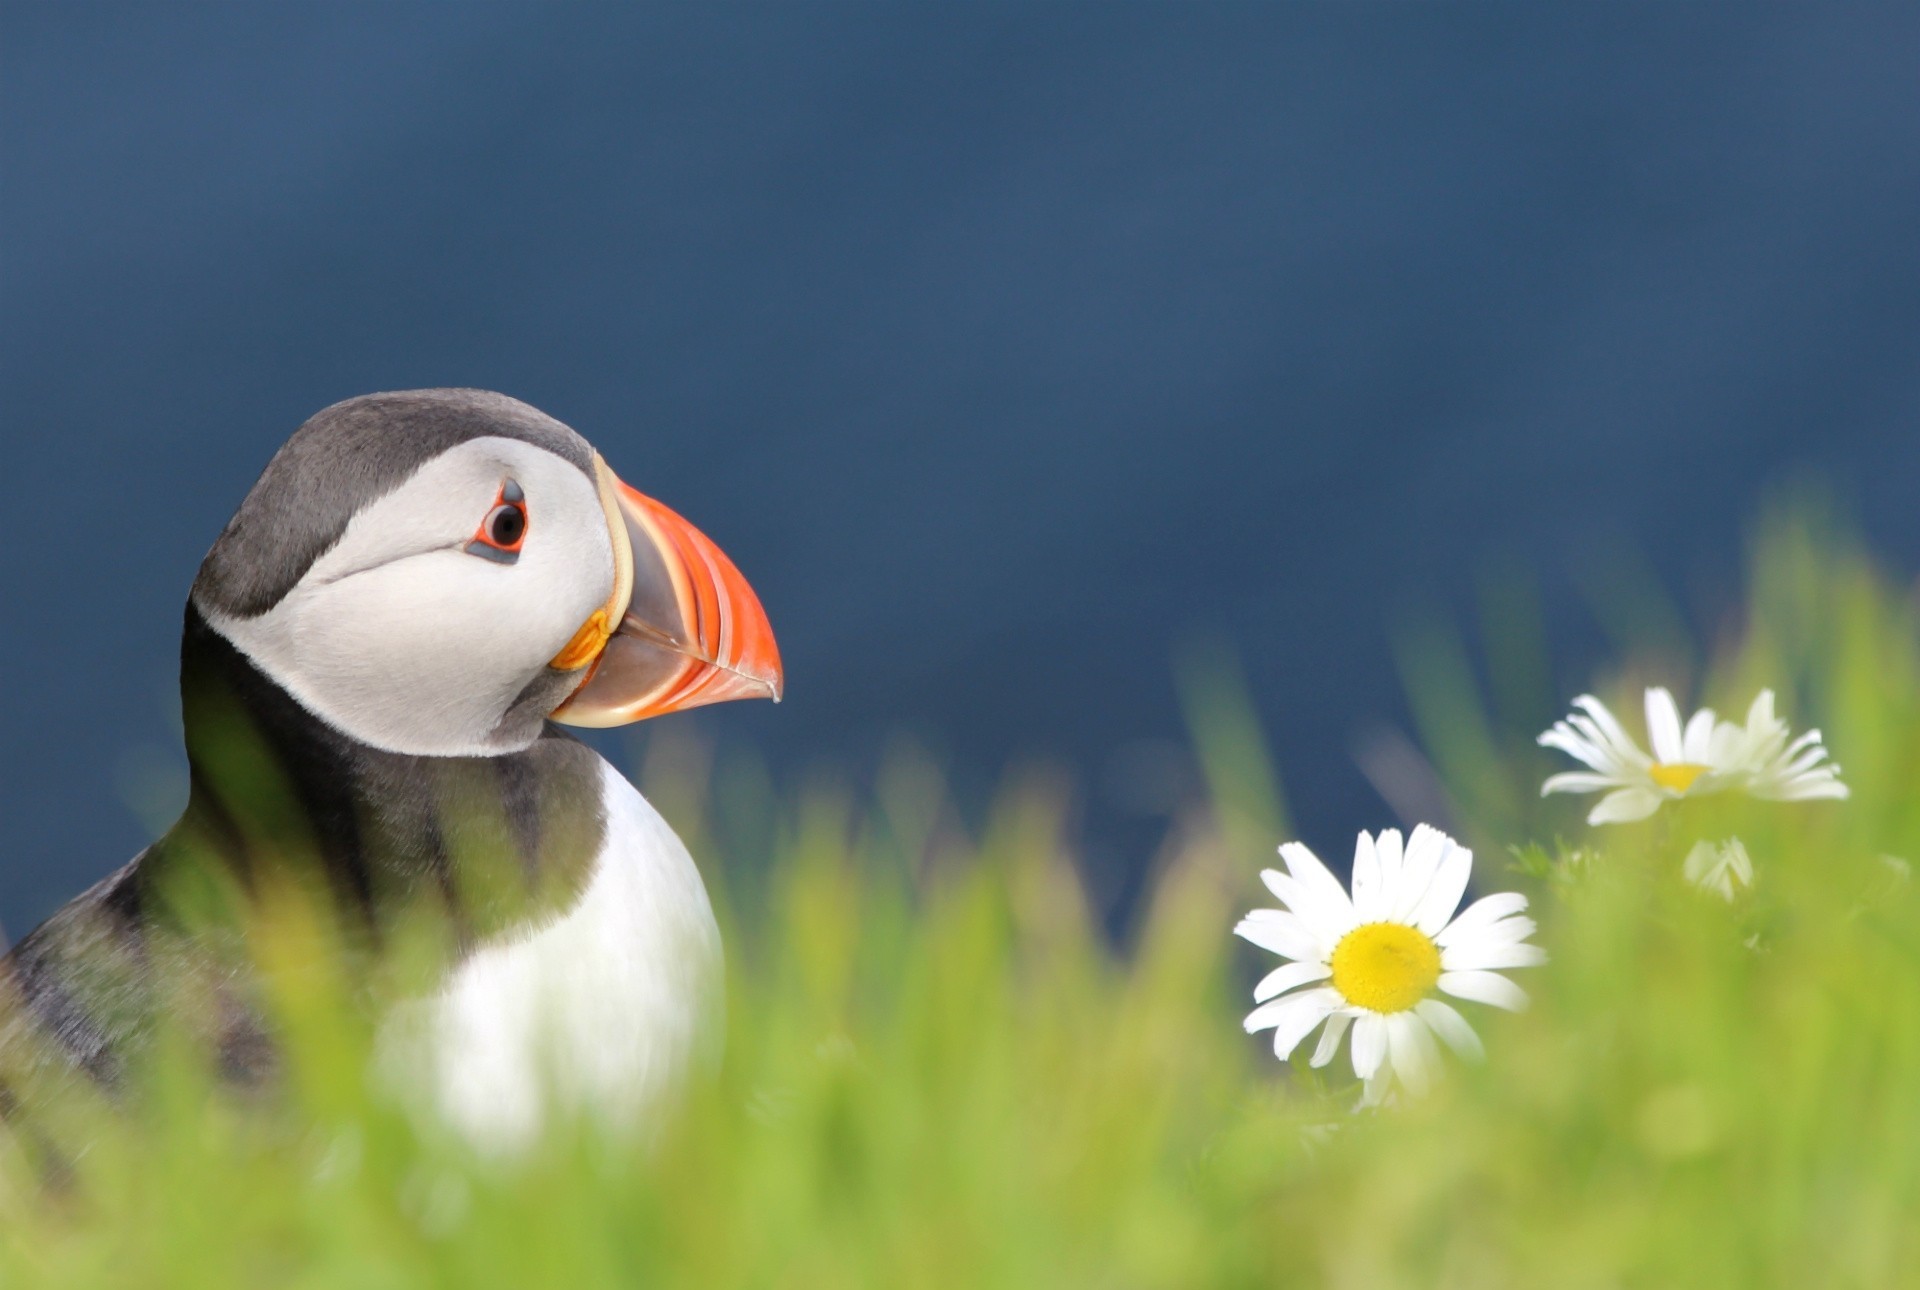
(939, 1072)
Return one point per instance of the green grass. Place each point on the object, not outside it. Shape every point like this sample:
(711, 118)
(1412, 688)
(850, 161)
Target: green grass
(939, 1071)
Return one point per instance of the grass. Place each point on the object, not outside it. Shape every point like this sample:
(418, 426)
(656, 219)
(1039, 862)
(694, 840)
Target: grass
(940, 1072)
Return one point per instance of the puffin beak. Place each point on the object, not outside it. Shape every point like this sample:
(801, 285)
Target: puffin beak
(681, 629)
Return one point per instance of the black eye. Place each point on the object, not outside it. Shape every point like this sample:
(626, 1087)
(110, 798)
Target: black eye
(507, 525)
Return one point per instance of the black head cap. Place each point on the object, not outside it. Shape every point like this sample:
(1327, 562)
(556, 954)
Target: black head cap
(343, 458)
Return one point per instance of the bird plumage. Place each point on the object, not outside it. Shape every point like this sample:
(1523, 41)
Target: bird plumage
(367, 713)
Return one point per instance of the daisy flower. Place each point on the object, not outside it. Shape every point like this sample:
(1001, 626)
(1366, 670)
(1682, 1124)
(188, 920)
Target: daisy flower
(1774, 768)
(1683, 759)
(1719, 867)
(1705, 755)
(1373, 960)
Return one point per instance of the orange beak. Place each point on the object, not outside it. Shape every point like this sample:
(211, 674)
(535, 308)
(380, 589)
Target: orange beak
(682, 627)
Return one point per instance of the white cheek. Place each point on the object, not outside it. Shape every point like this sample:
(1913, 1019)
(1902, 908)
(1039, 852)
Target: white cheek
(564, 574)
(440, 629)
(426, 653)
(448, 619)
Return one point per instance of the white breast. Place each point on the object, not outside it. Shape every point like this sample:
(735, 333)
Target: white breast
(601, 1011)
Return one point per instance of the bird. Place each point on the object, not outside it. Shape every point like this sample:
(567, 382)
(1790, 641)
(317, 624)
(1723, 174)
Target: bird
(381, 654)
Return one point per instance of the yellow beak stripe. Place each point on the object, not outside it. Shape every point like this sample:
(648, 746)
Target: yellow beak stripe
(597, 630)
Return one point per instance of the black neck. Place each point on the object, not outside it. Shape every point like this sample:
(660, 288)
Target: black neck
(278, 794)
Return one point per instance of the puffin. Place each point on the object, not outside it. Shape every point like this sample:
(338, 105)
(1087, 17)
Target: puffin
(381, 653)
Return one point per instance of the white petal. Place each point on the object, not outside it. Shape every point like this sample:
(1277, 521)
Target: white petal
(1390, 848)
(1799, 757)
(1330, 1038)
(1663, 725)
(1452, 1027)
(1309, 1010)
(1697, 739)
(1625, 805)
(1701, 862)
(1581, 749)
(1599, 736)
(1765, 745)
(1411, 1050)
(1481, 934)
(1806, 747)
(1480, 957)
(1327, 921)
(1722, 867)
(1578, 781)
(1369, 1044)
(1753, 748)
(1425, 850)
(1369, 903)
(1484, 987)
(1808, 767)
(1809, 790)
(1287, 976)
(1327, 890)
(1284, 1012)
(1443, 897)
(1599, 742)
(1618, 741)
(1504, 932)
(1480, 914)
(1282, 933)
(1728, 752)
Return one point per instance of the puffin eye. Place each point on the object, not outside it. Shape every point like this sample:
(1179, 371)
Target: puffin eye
(504, 530)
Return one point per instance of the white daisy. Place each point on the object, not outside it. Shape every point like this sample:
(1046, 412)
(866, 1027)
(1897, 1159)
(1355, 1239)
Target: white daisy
(1720, 867)
(1682, 760)
(1382, 953)
(1703, 756)
(1774, 768)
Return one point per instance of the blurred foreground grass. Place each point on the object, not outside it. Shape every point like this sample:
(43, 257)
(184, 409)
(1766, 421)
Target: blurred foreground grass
(940, 1072)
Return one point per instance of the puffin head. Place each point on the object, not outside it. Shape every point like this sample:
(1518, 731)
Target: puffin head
(439, 572)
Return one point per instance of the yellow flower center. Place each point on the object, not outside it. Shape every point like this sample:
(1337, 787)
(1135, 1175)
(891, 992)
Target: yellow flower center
(1387, 967)
(1676, 776)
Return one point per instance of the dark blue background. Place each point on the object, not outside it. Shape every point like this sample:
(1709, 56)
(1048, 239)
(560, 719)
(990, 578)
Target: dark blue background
(1001, 345)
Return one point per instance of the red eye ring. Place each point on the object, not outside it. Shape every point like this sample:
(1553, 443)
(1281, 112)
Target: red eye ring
(503, 531)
